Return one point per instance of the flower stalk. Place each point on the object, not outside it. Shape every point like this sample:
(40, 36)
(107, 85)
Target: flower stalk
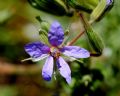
(75, 39)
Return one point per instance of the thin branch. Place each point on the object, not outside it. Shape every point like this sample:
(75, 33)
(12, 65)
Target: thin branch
(75, 39)
(79, 35)
(8, 69)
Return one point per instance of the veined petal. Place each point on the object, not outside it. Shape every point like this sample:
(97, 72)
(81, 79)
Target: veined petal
(64, 69)
(56, 34)
(47, 69)
(75, 51)
(36, 50)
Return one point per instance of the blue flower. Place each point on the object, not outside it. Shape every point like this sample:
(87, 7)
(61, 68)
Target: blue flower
(38, 51)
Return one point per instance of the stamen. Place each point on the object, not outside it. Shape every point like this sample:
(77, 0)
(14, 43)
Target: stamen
(55, 52)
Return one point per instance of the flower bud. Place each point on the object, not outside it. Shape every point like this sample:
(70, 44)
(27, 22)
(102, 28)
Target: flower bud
(43, 31)
(109, 6)
(56, 7)
(94, 39)
(44, 24)
(103, 7)
(79, 5)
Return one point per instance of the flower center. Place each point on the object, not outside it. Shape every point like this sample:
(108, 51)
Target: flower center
(54, 51)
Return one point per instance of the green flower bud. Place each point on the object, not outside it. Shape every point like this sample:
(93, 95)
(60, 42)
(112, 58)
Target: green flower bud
(94, 39)
(43, 31)
(81, 5)
(56, 7)
(103, 7)
(109, 6)
(44, 24)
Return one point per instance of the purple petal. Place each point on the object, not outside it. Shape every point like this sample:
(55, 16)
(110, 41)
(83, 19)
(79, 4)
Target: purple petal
(47, 69)
(75, 51)
(64, 69)
(109, 2)
(56, 34)
(36, 49)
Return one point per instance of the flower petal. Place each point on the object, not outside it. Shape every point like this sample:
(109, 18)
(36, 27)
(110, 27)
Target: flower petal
(47, 69)
(56, 34)
(64, 69)
(75, 51)
(36, 49)
(109, 2)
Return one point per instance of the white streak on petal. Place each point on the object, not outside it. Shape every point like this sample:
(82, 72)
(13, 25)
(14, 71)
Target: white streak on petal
(40, 58)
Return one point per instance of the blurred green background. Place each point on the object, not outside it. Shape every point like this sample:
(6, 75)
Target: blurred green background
(18, 26)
